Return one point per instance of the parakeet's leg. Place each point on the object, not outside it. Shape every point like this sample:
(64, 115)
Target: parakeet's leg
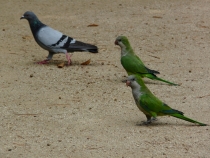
(149, 120)
(68, 57)
(43, 62)
(154, 119)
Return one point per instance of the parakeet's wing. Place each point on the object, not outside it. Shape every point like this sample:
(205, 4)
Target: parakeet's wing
(150, 103)
(133, 65)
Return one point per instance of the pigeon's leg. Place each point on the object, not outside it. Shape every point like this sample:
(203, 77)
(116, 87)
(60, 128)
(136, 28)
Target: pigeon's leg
(68, 57)
(46, 61)
(43, 62)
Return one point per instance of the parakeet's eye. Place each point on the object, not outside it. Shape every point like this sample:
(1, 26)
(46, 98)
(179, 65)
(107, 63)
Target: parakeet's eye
(119, 40)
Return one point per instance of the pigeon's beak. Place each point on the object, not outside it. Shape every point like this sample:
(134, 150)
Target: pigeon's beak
(116, 43)
(22, 17)
(128, 83)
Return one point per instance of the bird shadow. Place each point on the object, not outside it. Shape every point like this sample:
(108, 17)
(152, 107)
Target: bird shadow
(146, 82)
(151, 82)
(65, 63)
(156, 83)
(158, 124)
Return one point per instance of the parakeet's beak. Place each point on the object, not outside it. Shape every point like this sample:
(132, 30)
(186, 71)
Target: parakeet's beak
(116, 43)
(22, 17)
(128, 83)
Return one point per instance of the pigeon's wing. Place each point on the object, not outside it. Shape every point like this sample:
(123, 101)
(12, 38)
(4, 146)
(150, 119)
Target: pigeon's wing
(52, 39)
(80, 46)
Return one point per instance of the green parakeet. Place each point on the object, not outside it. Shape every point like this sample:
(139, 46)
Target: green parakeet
(149, 104)
(133, 64)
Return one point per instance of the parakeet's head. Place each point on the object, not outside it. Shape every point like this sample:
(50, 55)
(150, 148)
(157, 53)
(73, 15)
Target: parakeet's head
(134, 81)
(131, 81)
(122, 41)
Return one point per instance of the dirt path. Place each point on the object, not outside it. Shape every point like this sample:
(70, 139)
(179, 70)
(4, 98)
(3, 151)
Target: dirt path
(86, 111)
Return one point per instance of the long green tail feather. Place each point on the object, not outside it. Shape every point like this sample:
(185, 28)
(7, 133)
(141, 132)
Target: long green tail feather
(154, 77)
(187, 119)
(160, 79)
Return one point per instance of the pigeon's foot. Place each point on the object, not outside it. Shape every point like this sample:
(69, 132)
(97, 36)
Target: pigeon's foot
(43, 62)
(68, 57)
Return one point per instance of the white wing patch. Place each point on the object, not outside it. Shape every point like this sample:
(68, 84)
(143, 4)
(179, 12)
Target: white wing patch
(73, 41)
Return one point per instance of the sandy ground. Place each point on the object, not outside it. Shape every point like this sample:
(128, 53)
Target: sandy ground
(86, 111)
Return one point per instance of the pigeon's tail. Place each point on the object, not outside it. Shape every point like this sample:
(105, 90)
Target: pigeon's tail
(154, 77)
(93, 50)
(187, 119)
(82, 47)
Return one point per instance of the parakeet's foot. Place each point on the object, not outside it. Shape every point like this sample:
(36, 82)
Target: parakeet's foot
(154, 119)
(144, 123)
(147, 122)
(43, 62)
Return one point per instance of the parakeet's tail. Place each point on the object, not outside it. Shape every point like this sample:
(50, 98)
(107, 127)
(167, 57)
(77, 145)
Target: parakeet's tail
(154, 77)
(160, 79)
(187, 119)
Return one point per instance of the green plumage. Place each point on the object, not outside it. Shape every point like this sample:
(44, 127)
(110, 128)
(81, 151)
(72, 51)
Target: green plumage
(133, 64)
(149, 104)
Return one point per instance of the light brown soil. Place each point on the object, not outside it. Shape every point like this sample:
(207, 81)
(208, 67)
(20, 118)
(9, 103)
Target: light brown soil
(86, 111)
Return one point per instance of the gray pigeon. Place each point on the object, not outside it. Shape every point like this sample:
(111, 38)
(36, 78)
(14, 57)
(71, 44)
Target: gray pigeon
(53, 40)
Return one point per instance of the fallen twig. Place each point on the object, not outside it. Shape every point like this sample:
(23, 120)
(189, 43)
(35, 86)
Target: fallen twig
(203, 96)
(154, 56)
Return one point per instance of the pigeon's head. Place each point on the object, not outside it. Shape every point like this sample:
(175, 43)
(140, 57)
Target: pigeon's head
(29, 16)
(122, 41)
(134, 81)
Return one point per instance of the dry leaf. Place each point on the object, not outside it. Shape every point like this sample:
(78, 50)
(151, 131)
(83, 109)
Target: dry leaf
(202, 26)
(86, 63)
(26, 37)
(61, 65)
(92, 25)
(158, 17)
